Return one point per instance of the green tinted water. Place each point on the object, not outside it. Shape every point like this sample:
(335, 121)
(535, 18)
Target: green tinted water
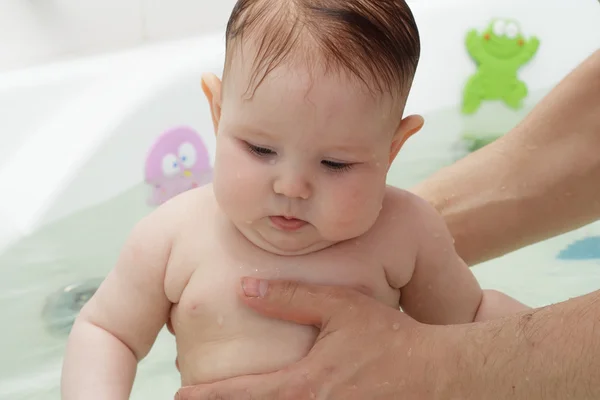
(82, 246)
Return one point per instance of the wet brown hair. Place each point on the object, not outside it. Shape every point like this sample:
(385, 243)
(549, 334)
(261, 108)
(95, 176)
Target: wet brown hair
(377, 41)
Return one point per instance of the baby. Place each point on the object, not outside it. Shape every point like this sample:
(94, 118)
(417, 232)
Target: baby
(308, 119)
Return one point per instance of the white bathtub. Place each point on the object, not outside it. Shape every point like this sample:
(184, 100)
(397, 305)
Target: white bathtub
(74, 137)
(82, 149)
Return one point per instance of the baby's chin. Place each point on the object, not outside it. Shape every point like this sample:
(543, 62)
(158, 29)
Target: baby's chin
(294, 250)
(285, 243)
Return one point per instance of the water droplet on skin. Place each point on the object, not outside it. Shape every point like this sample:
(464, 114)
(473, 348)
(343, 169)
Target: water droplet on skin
(256, 270)
(220, 320)
(396, 326)
(409, 352)
(503, 188)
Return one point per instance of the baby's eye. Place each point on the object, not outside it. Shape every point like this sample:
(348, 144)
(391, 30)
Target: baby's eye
(260, 151)
(336, 166)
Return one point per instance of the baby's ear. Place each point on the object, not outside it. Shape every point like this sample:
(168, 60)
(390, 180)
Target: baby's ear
(408, 127)
(211, 86)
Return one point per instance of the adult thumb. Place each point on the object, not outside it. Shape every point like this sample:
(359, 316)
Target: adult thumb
(303, 303)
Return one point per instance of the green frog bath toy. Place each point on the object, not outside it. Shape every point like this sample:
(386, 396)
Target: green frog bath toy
(499, 53)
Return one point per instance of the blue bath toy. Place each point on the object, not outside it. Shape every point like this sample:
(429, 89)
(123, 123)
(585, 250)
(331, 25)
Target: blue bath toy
(583, 249)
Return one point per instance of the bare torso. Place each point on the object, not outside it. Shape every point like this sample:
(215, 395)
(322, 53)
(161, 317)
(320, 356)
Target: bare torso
(217, 336)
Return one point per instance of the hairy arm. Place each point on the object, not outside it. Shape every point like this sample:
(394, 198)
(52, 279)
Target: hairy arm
(538, 181)
(552, 353)
(442, 289)
(119, 324)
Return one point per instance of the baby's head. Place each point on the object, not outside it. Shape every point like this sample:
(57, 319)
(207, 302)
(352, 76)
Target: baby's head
(309, 117)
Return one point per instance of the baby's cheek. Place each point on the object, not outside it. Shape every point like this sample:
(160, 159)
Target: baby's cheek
(354, 207)
(235, 182)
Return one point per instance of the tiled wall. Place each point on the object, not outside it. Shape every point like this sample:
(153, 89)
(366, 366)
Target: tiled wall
(37, 31)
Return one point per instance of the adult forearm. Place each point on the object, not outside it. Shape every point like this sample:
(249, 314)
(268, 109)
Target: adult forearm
(539, 180)
(549, 353)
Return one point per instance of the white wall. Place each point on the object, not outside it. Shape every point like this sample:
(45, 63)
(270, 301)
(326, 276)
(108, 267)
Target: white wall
(38, 31)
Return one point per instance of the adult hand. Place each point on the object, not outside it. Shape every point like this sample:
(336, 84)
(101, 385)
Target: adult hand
(365, 350)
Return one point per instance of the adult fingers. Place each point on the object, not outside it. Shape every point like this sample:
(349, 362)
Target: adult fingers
(303, 303)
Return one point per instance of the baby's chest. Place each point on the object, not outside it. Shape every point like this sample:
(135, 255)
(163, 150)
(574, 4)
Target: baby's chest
(215, 283)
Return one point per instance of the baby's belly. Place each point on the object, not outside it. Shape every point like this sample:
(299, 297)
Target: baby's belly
(234, 351)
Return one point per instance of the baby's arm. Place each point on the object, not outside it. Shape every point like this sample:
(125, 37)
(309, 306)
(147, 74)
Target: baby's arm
(442, 289)
(119, 324)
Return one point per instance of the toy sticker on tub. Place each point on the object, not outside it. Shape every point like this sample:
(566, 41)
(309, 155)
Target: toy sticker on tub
(178, 161)
(499, 52)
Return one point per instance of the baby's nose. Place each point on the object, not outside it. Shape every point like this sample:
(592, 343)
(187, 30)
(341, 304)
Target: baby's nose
(293, 186)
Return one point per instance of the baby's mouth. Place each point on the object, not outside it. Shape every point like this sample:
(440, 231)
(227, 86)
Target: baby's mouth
(288, 224)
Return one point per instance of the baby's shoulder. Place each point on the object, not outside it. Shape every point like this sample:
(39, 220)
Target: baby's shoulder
(405, 207)
(186, 208)
(398, 233)
(182, 222)
(406, 222)
(404, 217)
